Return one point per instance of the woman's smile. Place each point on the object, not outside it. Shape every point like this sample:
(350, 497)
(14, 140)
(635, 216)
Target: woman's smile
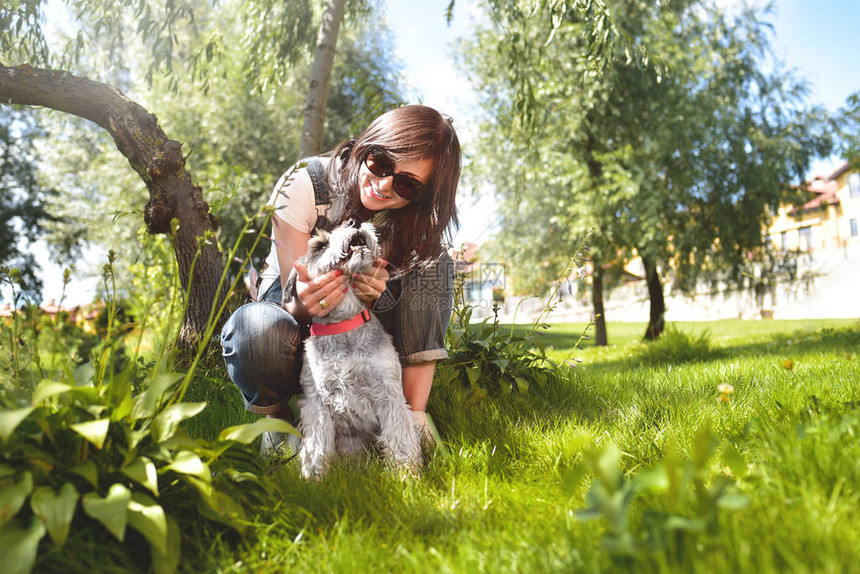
(377, 193)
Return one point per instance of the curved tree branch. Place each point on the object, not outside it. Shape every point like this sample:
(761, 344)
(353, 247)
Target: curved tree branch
(157, 160)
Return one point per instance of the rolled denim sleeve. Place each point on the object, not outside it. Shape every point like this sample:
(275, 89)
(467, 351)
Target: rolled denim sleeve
(416, 309)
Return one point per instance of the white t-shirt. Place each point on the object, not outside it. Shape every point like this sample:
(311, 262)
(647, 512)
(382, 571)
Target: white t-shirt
(293, 198)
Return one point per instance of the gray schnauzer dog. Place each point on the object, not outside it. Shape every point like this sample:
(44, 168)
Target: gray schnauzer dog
(351, 377)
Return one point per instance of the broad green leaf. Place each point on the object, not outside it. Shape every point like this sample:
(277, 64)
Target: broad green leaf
(13, 495)
(204, 487)
(474, 374)
(165, 423)
(147, 517)
(246, 433)
(222, 508)
(84, 375)
(186, 462)
(87, 395)
(133, 437)
(143, 471)
(146, 403)
(89, 471)
(111, 511)
(94, 431)
(97, 409)
(10, 419)
(6, 470)
(47, 389)
(57, 510)
(180, 440)
(123, 409)
(19, 545)
(119, 395)
(168, 562)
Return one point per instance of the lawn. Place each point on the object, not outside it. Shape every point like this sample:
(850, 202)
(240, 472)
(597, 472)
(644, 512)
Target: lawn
(768, 480)
(636, 460)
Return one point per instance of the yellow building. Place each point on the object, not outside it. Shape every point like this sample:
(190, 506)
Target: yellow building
(828, 221)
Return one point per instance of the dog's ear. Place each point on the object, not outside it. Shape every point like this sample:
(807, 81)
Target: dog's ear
(290, 288)
(318, 243)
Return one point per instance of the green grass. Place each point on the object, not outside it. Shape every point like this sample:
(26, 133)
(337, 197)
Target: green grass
(788, 439)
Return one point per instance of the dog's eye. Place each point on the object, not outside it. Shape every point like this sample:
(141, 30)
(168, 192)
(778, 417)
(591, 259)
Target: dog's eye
(316, 245)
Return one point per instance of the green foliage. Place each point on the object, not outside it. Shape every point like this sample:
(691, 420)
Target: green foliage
(21, 37)
(89, 437)
(847, 125)
(484, 359)
(104, 443)
(22, 198)
(487, 360)
(686, 498)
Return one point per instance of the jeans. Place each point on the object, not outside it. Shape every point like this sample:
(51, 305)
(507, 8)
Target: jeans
(262, 343)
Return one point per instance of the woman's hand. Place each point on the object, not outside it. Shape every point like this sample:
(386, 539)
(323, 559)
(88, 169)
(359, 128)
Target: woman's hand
(320, 295)
(368, 287)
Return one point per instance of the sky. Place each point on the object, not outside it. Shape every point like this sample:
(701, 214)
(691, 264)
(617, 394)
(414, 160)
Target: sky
(817, 38)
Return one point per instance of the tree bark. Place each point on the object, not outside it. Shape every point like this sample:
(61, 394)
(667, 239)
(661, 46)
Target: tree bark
(595, 171)
(315, 105)
(600, 336)
(656, 318)
(157, 160)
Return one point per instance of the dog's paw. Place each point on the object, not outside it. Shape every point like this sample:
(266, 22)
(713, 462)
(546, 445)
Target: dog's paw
(408, 472)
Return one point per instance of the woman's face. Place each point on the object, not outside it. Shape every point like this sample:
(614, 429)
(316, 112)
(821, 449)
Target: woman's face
(377, 193)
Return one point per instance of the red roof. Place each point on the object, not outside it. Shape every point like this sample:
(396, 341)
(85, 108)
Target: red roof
(52, 308)
(824, 188)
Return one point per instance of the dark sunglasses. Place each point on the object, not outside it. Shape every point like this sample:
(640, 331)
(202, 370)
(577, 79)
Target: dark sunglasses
(381, 164)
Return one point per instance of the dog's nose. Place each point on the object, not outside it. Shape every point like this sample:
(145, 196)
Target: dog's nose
(353, 223)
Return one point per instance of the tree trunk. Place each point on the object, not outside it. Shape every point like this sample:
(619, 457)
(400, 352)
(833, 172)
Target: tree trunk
(156, 159)
(315, 105)
(656, 319)
(595, 171)
(600, 337)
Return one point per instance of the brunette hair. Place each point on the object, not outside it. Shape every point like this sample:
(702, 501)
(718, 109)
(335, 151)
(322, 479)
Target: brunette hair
(412, 234)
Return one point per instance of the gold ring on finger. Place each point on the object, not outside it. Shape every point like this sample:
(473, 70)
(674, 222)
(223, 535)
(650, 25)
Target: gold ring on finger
(323, 304)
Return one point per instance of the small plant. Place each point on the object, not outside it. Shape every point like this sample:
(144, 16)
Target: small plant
(485, 359)
(685, 500)
(676, 346)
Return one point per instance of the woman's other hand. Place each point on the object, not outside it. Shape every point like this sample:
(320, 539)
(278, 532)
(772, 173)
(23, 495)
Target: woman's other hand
(368, 287)
(321, 294)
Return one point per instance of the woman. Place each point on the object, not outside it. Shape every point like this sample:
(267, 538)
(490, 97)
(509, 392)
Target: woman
(401, 173)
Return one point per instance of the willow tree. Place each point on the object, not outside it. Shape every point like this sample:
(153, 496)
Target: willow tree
(676, 163)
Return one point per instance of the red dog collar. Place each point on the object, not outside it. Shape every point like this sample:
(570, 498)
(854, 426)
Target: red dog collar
(342, 326)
